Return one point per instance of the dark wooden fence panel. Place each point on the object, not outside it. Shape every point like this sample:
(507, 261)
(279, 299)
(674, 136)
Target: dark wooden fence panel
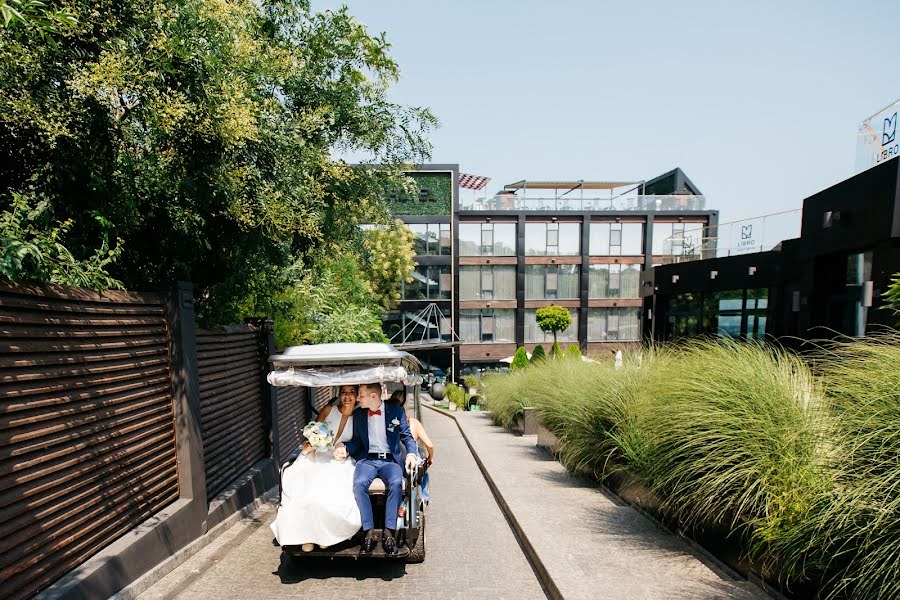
(232, 411)
(292, 417)
(87, 440)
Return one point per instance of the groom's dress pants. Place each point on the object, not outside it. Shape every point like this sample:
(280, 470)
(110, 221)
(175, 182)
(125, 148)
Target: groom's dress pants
(391, 474)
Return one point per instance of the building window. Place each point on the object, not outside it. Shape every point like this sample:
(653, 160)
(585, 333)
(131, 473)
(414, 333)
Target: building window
(431, 239)
(552, 239)
(614, 281)
(552, 282)
(533, 333)
(731, 313)
(487, 326)
(722, 313)
(614, 324)
(487, 282)
(487, 239)
(678, 239)
(616, 239)
(414, 326)
(429, 282)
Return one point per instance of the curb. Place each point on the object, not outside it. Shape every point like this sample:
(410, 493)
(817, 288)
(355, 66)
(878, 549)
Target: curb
(701, 553)
(540, 570)
(145, 581)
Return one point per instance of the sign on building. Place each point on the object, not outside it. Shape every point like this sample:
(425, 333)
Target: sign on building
(877, 139)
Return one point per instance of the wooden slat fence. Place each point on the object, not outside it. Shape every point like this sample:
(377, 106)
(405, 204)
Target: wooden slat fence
(232, 410)
(87, 446)
(292, 417)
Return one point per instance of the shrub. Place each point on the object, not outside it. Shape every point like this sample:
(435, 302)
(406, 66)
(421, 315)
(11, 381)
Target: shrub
(520, 359)
(573, 351)
(471, 381)
(553, 319)
(456, 394)
(538, 354)
(555, 350)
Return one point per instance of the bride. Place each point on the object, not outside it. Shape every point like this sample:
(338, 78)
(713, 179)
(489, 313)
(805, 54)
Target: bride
(317, 502)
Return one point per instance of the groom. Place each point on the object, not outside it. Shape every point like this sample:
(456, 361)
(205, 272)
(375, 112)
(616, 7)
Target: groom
(378, 430)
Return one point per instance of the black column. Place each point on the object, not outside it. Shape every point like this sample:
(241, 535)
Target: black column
(585, 281)
(520, 281)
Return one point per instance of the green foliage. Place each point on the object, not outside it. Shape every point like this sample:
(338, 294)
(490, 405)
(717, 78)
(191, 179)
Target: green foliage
(538, 354)
(471, 382)
(520, 359)
(573, 351)
(390, 260)
(555, 350)
(801, 463)
(36, 16)
(429, 194)
(456, 394)
(31, 250)
(202, 133)
(892, 297)
(553, 319)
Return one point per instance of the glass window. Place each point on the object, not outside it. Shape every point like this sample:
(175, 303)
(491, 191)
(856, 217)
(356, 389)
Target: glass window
(614, 281)
(552, 239)
(615, 239)
(533, 333)
(550, 282)
(677, 239)
(429, 282)
(487, 239)
(431, 239)
(501, 279)
(487, 326)
(632, 239)
(414, 326)
(614, 324)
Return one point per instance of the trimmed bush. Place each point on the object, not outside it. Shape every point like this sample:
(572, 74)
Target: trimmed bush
(573, 351)
(538, 354)
(520, 359)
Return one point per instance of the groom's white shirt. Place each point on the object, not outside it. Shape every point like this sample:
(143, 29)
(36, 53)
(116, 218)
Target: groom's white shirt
(378, 433)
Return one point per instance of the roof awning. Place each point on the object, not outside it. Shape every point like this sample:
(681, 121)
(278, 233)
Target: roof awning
(472, 182)
(568, 185)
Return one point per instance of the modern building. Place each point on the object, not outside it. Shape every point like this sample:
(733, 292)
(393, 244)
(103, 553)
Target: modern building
(486, 264)
(578, 244)
(827, 282)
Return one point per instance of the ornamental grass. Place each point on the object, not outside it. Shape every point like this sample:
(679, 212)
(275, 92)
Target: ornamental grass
(799, 456)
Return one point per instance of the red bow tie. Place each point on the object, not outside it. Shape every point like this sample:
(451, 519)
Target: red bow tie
(372, 413)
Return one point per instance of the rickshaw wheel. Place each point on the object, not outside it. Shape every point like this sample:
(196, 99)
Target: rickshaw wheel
(417, 553)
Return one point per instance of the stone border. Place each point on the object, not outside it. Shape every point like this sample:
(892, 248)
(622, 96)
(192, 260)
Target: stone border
(550, 587)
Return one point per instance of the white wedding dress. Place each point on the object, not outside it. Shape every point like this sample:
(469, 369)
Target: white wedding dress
(317, 503)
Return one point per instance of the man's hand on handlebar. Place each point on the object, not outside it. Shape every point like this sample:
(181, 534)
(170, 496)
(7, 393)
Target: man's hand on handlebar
(411, 461)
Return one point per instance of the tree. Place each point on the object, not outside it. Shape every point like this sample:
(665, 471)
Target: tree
(202, 133)
(389, 252)
(553, 319)
(555, 350)
(538, 354)
(520, 359)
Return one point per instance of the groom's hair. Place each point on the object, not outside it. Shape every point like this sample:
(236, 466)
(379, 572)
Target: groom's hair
(366, 388)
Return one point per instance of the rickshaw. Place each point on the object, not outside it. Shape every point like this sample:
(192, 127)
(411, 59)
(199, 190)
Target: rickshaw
(327, 365)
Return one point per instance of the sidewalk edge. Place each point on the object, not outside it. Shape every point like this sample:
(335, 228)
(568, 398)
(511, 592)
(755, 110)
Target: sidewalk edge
(540, 570)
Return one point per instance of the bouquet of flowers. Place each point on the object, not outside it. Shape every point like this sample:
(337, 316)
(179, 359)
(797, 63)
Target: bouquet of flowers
(318, 434)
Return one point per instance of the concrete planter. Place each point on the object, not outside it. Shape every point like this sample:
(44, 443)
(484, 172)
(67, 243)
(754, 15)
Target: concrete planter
(527, 423)
(546, 440)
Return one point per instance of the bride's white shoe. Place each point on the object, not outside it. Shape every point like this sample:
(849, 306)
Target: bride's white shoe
(307, 547)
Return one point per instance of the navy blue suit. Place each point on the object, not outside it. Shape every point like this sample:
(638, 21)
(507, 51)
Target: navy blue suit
(390, 471)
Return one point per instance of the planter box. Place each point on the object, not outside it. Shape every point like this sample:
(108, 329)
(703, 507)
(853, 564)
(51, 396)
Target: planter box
(546, 440)
(530, 422)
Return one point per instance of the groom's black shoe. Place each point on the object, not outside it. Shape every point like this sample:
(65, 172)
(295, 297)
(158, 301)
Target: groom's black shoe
(369, 542)
(388, 543)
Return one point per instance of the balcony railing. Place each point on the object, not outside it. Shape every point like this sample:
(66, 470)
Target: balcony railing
(619, 203)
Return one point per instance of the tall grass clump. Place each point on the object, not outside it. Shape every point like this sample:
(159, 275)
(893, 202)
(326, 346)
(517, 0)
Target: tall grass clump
(735, 437)
(855, 533)
(506, 395)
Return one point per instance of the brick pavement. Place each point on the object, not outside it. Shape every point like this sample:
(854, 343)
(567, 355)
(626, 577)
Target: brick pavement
(472, 553)
(592, 545)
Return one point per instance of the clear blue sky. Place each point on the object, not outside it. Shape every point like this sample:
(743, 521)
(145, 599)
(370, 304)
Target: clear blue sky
(758, 102)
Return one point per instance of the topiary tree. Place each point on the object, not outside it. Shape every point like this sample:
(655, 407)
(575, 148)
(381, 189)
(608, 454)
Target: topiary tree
(555, 350)
(538, 353)
(553, 319)
(520, 359)
(573, 351)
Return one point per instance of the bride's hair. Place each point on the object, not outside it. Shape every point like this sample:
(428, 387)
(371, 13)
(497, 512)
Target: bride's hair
(398, 397)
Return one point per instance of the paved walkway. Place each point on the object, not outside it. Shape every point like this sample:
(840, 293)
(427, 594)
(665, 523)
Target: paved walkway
(472, 552)
(592, 545)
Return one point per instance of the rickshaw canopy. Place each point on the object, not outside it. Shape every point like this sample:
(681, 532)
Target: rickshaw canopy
(321, 365)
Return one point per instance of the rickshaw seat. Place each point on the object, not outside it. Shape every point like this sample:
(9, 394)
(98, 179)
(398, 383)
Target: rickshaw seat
(378, 488)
